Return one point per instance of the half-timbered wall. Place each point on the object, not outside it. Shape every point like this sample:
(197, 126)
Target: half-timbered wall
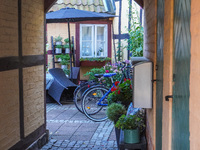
(22, 109)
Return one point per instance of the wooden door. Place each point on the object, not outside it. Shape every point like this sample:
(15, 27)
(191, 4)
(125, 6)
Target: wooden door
(181, 73)
(159, 73)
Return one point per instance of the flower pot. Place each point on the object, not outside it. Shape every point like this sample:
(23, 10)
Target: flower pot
(132, 136)
(117, 134)
(59, 43)
(92, 63)
(64, 66)
(58, 50)
(67, 50)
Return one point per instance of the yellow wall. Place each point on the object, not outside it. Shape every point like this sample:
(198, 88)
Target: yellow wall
(9, 87)
(149, 50)
(56, 29)
(33, 77)
(8, 28)
(9, 109)
(194, 102)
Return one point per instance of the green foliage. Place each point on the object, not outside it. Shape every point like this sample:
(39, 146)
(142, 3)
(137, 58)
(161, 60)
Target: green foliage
(130, 122)
(58, 46)
(100, 59)
(67, 45)
(121, 94)
(106, 69)
(94, 71)
(58, 38)
(136, 41)
(64, 58)
(66, 40)
(114, 111)
(66, 71)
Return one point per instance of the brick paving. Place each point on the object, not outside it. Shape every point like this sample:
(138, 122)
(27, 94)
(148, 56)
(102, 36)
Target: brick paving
(71, 130)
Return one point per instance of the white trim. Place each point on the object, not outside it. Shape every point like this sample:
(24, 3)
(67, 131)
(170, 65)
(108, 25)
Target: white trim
(94, 39)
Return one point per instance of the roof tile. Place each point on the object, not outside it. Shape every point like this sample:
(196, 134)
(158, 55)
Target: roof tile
(88, 5)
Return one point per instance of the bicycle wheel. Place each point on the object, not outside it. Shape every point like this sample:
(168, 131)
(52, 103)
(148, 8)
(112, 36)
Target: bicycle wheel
(90, 102)
(78, 96)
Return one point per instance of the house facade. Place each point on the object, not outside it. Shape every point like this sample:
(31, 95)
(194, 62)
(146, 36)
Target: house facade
(114, 31)
(171, 38)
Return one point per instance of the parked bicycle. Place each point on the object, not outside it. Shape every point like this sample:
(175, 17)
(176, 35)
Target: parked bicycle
(94, 100)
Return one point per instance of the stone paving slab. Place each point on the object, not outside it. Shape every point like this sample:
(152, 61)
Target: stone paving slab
(71, 130)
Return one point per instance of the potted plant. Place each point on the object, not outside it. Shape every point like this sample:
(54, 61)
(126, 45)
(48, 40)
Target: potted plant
(114, 112)
(131, 125)
(58, 49)
(121, 93)
(67, 50)
(58, 40)
(64, 60)
(66, 46)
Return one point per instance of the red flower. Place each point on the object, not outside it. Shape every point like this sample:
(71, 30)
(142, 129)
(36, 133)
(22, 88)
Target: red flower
(88, 85)
(130, 86)
(116, 83)
(129, 79)
(118, 92)
(113, 89)
(124, 79)
(107, 71)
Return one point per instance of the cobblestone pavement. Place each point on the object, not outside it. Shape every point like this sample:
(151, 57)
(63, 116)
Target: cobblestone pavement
(71, 130)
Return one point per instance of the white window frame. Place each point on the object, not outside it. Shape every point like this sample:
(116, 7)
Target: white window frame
(94, 39)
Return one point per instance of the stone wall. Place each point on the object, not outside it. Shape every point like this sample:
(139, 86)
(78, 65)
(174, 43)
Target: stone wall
(149, 50)
(194, 102)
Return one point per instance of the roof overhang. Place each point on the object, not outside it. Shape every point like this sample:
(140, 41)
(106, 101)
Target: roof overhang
(48, 4)
(140, 2)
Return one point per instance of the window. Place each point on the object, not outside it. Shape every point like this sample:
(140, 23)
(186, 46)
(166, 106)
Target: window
(93, 40)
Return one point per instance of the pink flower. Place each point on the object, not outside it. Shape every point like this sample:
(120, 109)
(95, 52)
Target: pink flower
(107, 71)
(127, 61)
(115, 70)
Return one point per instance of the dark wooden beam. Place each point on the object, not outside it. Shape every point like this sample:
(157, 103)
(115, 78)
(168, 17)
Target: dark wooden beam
(48, 4)
(140, 2)
(121, 36)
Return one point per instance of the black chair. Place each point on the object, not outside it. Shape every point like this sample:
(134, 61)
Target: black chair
(60, 83)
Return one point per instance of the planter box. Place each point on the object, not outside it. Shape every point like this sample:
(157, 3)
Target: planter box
(92, 63)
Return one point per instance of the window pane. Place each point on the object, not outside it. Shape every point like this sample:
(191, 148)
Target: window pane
(100, 48)
(87, 33)
(100, 33)
(86, 48)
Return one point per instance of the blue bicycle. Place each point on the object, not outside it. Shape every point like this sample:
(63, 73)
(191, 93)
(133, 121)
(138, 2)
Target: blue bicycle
(94, 100)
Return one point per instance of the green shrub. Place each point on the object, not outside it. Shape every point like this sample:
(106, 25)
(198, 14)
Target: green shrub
(114, 111)
(58, 38)
(130, 122)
